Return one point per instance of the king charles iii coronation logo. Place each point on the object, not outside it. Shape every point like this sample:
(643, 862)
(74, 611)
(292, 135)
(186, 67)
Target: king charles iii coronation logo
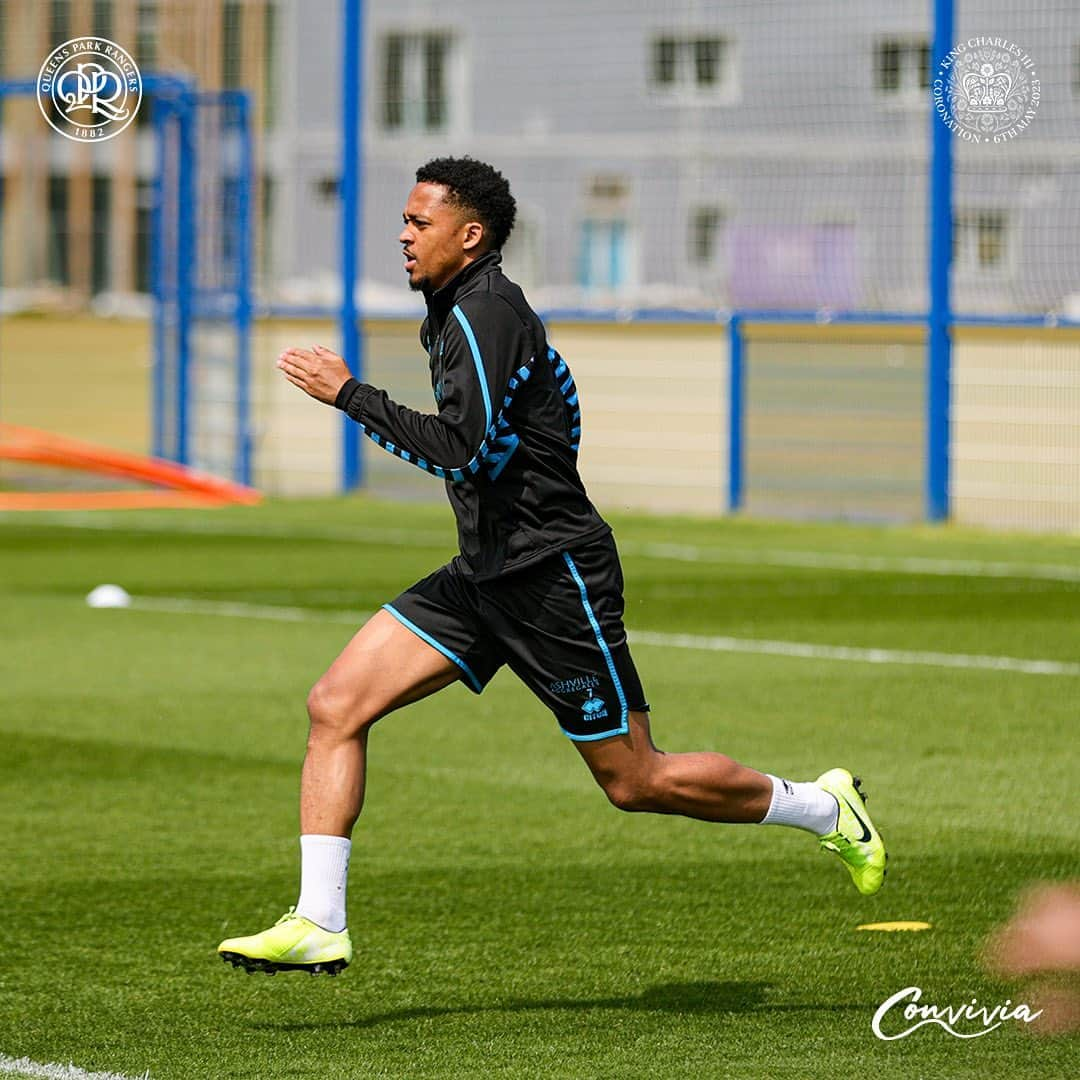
(89, 89)
(987, 90)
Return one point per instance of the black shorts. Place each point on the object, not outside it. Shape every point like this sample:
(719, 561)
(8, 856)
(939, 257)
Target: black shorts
(557, 624)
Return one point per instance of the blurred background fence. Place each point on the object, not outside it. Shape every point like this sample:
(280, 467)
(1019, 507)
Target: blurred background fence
(727, 213)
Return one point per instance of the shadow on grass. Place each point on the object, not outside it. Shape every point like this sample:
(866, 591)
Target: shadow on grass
(709, 998)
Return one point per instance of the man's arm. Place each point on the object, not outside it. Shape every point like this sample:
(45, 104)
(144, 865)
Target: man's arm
(478, 357)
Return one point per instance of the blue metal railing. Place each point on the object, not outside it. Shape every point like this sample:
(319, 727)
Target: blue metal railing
(939, 342)
(352, 109)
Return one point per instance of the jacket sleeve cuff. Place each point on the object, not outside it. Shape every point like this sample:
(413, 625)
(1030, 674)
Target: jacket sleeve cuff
(351, 397)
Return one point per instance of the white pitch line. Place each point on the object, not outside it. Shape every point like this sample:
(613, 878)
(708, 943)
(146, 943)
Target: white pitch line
(431, 539)
(52, 1071)
(174, 605)
(798, 649)
(807, 651)
(874, 564)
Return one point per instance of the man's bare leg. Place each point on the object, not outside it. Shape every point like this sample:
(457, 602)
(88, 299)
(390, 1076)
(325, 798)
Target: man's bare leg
(384, 667)
(638, 777)
(709, 786)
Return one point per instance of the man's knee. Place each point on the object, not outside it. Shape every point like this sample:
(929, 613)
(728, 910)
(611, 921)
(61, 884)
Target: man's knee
(336, 711)
(633, 792)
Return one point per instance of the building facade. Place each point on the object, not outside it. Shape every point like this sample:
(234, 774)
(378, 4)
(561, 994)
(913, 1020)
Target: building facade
(76, 218)
(709, 154)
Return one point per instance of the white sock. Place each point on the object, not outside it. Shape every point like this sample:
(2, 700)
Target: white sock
(324, 870)
(804, 806)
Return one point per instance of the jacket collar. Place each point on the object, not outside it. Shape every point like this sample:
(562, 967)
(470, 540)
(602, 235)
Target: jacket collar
(443, 299)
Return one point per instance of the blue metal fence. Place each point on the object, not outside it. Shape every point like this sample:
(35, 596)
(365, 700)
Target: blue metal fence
(352, 111)
(194, 287)
(201, 276)
(937, 319)
(939, 343)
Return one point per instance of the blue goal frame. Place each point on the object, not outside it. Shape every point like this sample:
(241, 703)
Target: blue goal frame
(201, 269)
(197, 279)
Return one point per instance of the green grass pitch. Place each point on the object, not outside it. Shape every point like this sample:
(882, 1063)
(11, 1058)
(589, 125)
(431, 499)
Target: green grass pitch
(508, 921)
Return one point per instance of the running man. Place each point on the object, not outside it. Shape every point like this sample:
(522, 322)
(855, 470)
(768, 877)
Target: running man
(537, 585)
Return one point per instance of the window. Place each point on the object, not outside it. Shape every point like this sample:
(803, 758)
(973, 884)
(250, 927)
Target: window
(232, 19)
(270, 74)
(706, 229)
(708, 55)
(665, 61)
(59, 31)
(522, 255)
(59, 269)
(102, 18)
(902, 67)
(99, 242)
(605, 254)
(146, 51)
(415, 82)
(698, 65)
(146, 34)
(59, 21)
(266, 225)
(980, 240)
(327, 188)
(233, 193)
(144, 211)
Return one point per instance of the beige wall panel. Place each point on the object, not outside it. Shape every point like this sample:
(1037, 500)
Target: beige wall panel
(1016, 430)
(297, 442)
(654, 412)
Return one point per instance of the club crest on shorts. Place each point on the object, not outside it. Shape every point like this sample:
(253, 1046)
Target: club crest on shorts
(594, 708)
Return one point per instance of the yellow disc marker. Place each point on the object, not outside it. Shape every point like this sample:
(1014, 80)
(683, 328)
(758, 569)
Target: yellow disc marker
(891, 926)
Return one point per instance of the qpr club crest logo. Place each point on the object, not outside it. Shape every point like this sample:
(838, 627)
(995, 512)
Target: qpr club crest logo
(89, 89)
(987, 90)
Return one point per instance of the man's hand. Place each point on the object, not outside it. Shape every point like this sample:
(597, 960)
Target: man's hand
(319, 372)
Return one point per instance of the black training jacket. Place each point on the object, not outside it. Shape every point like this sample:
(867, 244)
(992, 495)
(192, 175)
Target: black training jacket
(505, 437)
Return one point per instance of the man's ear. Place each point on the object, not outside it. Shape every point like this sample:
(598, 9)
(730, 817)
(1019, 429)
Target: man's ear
(474, 235)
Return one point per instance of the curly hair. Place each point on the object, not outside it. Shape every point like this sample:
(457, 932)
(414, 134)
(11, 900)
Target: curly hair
(478, 188)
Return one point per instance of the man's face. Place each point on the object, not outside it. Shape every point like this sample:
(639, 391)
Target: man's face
(438, 239)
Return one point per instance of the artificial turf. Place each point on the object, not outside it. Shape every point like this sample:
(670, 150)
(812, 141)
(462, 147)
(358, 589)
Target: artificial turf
(508, 921)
